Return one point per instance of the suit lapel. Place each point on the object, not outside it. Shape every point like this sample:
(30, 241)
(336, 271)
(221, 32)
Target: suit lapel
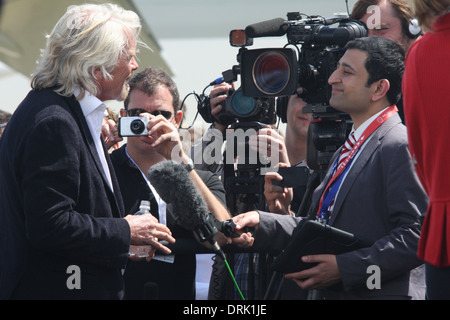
(115, 182)
(370, 148)
(352, 175)
(84, 129)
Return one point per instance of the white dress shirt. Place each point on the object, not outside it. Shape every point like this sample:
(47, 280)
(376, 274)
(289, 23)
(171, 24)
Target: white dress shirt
(94, 110)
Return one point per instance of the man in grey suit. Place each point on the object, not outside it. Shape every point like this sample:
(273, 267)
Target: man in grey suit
(373, 193)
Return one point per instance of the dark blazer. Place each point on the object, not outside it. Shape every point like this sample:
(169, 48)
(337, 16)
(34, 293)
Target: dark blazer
(157, 279)
(56, 207)
(380, 200)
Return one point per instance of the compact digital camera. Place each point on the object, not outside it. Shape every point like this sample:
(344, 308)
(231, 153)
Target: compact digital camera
(133, 126)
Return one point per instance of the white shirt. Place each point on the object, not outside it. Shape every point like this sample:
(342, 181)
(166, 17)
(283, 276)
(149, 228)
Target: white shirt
(358, 132)
(161, 210)
(94, 110)
(161, 204)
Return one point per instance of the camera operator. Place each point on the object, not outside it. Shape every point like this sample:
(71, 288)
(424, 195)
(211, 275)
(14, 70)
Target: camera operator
(396, 23)
(395, 19)
(376, 193)
(154, 94)
(287, 200)
(267, 137)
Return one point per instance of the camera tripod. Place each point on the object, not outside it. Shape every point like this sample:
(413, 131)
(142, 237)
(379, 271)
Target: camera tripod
(244, 187)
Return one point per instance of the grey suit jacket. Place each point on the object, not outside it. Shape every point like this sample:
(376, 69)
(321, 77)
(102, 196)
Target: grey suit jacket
(380, 200)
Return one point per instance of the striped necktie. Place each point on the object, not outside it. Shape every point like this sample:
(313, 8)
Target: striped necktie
(324, 215)
(348, 146)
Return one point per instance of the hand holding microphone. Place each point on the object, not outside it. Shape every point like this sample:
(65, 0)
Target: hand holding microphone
(173, 184)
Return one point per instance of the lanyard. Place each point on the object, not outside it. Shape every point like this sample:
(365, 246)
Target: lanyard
(161, 203)
(386, 114)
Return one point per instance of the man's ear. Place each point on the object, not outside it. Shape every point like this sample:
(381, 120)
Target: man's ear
(381, 87)
(178, 118)
(98, 75)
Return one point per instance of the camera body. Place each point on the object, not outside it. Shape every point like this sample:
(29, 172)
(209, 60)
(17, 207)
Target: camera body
(133, 126)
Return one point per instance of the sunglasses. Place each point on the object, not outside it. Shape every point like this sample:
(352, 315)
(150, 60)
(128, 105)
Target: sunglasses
(137, 111)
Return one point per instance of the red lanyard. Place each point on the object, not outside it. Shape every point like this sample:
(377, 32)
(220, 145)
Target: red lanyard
(366, 134)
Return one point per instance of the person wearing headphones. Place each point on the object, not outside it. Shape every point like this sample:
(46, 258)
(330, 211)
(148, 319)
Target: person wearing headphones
(392, 19)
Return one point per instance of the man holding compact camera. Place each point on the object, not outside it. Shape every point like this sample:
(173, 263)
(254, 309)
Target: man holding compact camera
(150, 121)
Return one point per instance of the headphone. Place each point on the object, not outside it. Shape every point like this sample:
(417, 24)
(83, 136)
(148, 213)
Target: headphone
(413, 29)
(281, 108)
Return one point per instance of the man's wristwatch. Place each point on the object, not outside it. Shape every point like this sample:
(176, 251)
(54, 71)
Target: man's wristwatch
(189, 166)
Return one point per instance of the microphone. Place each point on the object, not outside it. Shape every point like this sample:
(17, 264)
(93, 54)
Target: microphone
(173, 184)
(269, 28)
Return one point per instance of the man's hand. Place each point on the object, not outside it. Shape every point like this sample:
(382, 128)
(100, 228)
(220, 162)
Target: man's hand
(245, 220)
(278, 198)
(146, 230)
(110, 133)
(218, 95)
(323, 275)
(162, 135)
(270, 143)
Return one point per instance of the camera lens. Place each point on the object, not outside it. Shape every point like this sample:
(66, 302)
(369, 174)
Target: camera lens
(137, 126)
(271, 72)
(241, 104)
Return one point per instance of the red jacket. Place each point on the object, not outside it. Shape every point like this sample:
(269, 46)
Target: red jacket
(426, 95)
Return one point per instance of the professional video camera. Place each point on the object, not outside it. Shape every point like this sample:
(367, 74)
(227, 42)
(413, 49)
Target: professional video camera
(271, 73)
(278, 72)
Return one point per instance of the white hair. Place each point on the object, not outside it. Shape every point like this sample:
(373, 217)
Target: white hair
(86, 39)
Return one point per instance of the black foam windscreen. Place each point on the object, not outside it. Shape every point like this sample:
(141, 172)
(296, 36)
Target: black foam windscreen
(270, 28)
(173, 184)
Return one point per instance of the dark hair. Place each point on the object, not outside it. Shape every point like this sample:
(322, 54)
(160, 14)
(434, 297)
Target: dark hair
(385, 60)
(401, 8)
(148, 80)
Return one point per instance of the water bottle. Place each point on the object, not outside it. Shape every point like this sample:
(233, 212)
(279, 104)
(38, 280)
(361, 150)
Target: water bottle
(144, 207)
(143, 250)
